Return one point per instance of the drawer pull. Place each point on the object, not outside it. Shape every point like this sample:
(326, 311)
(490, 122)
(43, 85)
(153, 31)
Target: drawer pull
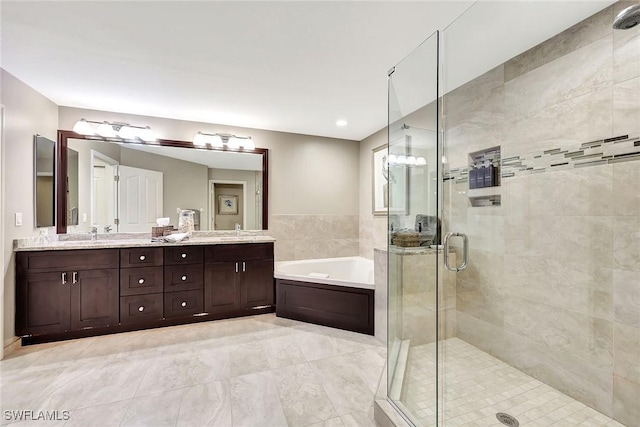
(142, 257)
(141, 281)
(64, 278)
(74, 276)
(184, 278)
(184, 303)
(183, 255)
(141, 308)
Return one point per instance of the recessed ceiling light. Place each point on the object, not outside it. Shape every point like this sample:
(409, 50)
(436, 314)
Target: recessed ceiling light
(341, 123)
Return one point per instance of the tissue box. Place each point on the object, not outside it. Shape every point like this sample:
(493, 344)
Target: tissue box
(161, 231)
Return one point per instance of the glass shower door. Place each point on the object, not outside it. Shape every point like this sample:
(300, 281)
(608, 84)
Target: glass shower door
(411, 171)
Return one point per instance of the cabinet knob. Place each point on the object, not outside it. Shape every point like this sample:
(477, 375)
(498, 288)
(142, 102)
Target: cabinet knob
(141, 308)
(183, 255)
(141, 281)
(142, 257)
(184, 278)
(184, 303)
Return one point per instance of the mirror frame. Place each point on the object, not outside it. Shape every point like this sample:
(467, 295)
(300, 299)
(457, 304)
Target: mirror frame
(61, 170)
(35, 182)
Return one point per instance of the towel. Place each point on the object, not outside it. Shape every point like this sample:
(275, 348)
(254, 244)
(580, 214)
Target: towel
(319, 275)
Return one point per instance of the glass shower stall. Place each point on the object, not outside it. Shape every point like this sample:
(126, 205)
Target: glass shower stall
(514, 230)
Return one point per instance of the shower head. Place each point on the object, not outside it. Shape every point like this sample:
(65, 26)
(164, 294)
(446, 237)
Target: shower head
(628, 18)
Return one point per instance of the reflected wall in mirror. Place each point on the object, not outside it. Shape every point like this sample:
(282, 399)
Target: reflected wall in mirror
(44, 181)
(126, 186)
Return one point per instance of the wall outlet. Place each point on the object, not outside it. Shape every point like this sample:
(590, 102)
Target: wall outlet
(18, 219)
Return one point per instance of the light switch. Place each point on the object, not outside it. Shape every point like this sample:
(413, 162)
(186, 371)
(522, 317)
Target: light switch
(18, 219)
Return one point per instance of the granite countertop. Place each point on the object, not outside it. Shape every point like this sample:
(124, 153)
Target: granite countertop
(127, 240)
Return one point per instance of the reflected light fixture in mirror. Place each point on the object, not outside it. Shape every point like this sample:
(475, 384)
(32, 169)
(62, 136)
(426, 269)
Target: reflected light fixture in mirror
(106, 129)
(220, 140)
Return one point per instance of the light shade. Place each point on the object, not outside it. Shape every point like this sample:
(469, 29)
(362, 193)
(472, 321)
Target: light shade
(421, 161)
(214, 140)
(83, 127)
(147, 135)
(200, 139)
(411, 160)
(127, 132)
(392, 159)
(249, 144)
(106, 130)
(234, 142)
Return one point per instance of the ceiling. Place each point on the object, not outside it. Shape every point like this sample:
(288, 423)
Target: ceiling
(295, 66)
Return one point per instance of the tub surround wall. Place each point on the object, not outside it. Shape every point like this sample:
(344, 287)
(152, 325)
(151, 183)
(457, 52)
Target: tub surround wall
(314, 236)
(552, 286)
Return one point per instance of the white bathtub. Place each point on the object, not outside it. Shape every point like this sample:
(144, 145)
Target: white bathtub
(355, 272)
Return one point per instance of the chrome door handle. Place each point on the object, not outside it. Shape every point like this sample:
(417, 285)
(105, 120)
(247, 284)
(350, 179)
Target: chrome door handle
(236, 267)
(74, 277)
(64, 278)
(244, 267)
(465, 252)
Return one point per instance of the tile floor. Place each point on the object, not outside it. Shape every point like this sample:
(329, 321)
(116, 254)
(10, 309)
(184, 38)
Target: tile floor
(477, 386)
(253, 371)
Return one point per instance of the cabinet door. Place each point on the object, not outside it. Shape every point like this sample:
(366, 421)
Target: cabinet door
(222, 288)
(257, 283)
(94, 298)
(42, 303)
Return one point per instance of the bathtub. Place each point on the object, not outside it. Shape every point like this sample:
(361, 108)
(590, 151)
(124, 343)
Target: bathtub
(356, 272)
(336, 292)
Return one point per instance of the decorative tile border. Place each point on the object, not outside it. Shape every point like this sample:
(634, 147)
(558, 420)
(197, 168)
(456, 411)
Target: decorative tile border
(623, 148)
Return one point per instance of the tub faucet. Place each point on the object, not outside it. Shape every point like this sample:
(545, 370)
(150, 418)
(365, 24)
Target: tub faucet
(238, 229)
(107, 228)
(93, 232)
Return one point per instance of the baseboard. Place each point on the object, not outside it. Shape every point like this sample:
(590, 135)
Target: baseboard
(10, 345)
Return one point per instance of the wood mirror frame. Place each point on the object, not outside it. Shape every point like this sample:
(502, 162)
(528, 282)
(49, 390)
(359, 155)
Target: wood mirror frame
(61, 170)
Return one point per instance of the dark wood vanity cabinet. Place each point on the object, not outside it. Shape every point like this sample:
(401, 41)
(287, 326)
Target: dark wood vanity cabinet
(71, 293)
(59, 291)
(238, 277)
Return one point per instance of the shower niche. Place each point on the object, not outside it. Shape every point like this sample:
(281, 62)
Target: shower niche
(484, 177)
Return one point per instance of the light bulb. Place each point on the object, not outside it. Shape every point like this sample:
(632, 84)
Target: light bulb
(411, 160)
(249, 144)
(392, 159)
(147, 135)
(127, 132)
(421, 161)
(200, 139)
(215, 141)
(83, 127)
(402, 160)
(234, 142)
(106, 130)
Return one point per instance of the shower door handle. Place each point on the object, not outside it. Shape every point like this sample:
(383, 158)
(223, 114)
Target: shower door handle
(465, 251)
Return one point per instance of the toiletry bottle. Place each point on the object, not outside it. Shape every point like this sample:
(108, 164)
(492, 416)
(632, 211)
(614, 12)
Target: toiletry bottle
(472, 176)
(488, 175)
(480, 177)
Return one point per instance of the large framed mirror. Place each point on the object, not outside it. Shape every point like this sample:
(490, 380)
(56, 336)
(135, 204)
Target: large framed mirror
(44, 191)
(125, 186)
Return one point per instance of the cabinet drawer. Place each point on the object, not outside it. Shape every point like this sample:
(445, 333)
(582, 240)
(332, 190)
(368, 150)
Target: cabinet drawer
(183, 277)
(142, 280)
(140, 257)
(183, 255)
(184, 303)
(140, 308)
(72, 260)
(238, 252)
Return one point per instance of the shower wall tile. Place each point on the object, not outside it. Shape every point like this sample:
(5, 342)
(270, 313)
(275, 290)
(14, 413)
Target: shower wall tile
(572, 239)
(569, 122)
(582, 381)
(484, 335)
(561, 332)
(481, 301)
(626, 53)
(580, 35)
(481, 97)
(626, 106)
(626, 242)
(583, 288)
(572, 192)
(560, 80)
(626, 297)
(626, 197)
(627, 345)
(625, 400)
(314, 236)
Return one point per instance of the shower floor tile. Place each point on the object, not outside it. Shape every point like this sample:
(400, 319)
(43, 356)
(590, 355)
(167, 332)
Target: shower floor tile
(477, 386)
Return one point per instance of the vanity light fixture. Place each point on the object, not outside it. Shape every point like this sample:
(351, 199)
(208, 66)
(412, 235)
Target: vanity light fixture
(219, 140)
(112, 130)
(402, 160)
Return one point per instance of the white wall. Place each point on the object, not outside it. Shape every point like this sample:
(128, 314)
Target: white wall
(26, 113)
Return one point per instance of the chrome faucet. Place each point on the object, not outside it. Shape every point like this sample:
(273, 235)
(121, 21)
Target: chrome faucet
(238, 229)
(93, 232)
(107, 228)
